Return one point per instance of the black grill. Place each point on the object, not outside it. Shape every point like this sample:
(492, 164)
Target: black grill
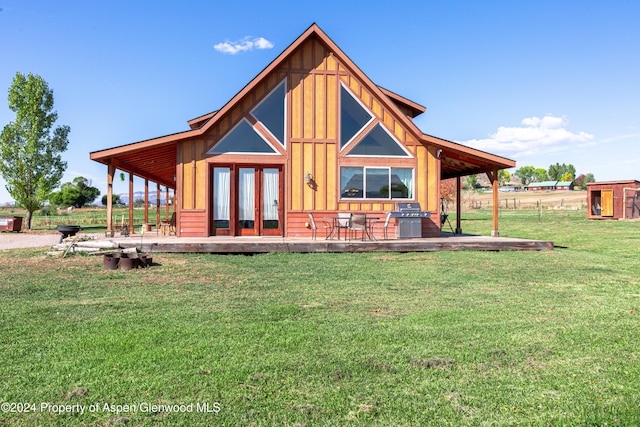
(409, 223)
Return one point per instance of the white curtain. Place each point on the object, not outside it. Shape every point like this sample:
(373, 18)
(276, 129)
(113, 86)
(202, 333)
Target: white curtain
(221, 193)
(270, 194)
(247, 194)
(406, 176)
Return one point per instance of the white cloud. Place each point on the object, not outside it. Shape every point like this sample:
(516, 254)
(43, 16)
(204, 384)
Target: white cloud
(537, 135)
(246, 44)
(262, 43)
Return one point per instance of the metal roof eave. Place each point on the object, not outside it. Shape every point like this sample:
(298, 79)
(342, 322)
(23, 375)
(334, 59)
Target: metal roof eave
(498, 162)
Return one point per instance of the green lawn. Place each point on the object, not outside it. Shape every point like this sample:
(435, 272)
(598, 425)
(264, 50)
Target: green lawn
(404, 339)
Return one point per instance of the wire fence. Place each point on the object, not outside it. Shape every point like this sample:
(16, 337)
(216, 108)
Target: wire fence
(525, 215)
(519, 204)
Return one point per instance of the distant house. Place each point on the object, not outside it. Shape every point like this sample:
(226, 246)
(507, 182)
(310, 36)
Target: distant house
(509, 188)
(549, 186)
(613, 200)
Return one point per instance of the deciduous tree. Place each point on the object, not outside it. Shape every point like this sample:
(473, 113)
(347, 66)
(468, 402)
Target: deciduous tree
(504, 177)
(582, 180)
(448, 189)
(115, 200)
(472, 181)
(526, 174)
(30, 151)
(77, 193)
(540, 174)
(588, 178)
(557, 171)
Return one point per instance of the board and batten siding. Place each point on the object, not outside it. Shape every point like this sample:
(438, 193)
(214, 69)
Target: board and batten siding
(315, 78)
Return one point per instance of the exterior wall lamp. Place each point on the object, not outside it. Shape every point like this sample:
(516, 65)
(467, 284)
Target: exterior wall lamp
(308, 178)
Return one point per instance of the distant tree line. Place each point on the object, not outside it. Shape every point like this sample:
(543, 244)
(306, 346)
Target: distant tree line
(529, 174)
(557, 172)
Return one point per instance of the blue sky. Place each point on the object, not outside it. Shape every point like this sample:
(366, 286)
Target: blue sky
(536, 81)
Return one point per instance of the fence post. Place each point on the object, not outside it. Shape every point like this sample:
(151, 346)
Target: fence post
(539, 211)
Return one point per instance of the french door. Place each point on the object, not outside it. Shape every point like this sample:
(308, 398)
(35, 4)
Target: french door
(247, 200)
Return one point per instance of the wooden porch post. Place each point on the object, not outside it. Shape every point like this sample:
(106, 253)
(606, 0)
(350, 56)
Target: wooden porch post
(158, 205)
(166, 204)
(131, 203)
(111, 170)
(146, 201)
(458, 205)
(493, 177)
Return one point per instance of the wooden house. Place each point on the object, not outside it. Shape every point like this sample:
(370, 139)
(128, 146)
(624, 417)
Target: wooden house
(613, 200)
(310, 133)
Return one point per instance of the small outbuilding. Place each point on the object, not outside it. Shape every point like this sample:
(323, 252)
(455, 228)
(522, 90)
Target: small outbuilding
(613, 200)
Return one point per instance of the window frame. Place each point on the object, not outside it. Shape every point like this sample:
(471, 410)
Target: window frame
(364, 183)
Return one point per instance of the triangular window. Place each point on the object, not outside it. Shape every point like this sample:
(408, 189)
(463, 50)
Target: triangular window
(271, 112)
(242, 139)
(378, 142)
(353, 117)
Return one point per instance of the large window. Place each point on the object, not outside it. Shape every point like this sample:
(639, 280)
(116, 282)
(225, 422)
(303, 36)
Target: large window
(376, 183)
(353, 117)
(378, 142)
(243, 138)
(271, 112)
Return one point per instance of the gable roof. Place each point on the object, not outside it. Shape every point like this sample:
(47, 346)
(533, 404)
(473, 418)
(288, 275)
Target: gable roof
(624, 181)
(156, 158)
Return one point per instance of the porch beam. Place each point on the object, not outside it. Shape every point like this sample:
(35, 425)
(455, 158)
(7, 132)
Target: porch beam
(124, 166)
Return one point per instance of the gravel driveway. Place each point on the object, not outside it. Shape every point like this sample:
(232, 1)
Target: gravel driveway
(9, 240)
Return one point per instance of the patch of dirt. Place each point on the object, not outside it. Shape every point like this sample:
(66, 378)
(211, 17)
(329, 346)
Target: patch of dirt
(381, 366)
(77, 392)
(433, 363)
(9, 240)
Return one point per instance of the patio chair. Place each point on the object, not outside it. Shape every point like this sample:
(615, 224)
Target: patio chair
(384, 227)
(169, 227)
(344, 221)
(358, 223)
(315, 227)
